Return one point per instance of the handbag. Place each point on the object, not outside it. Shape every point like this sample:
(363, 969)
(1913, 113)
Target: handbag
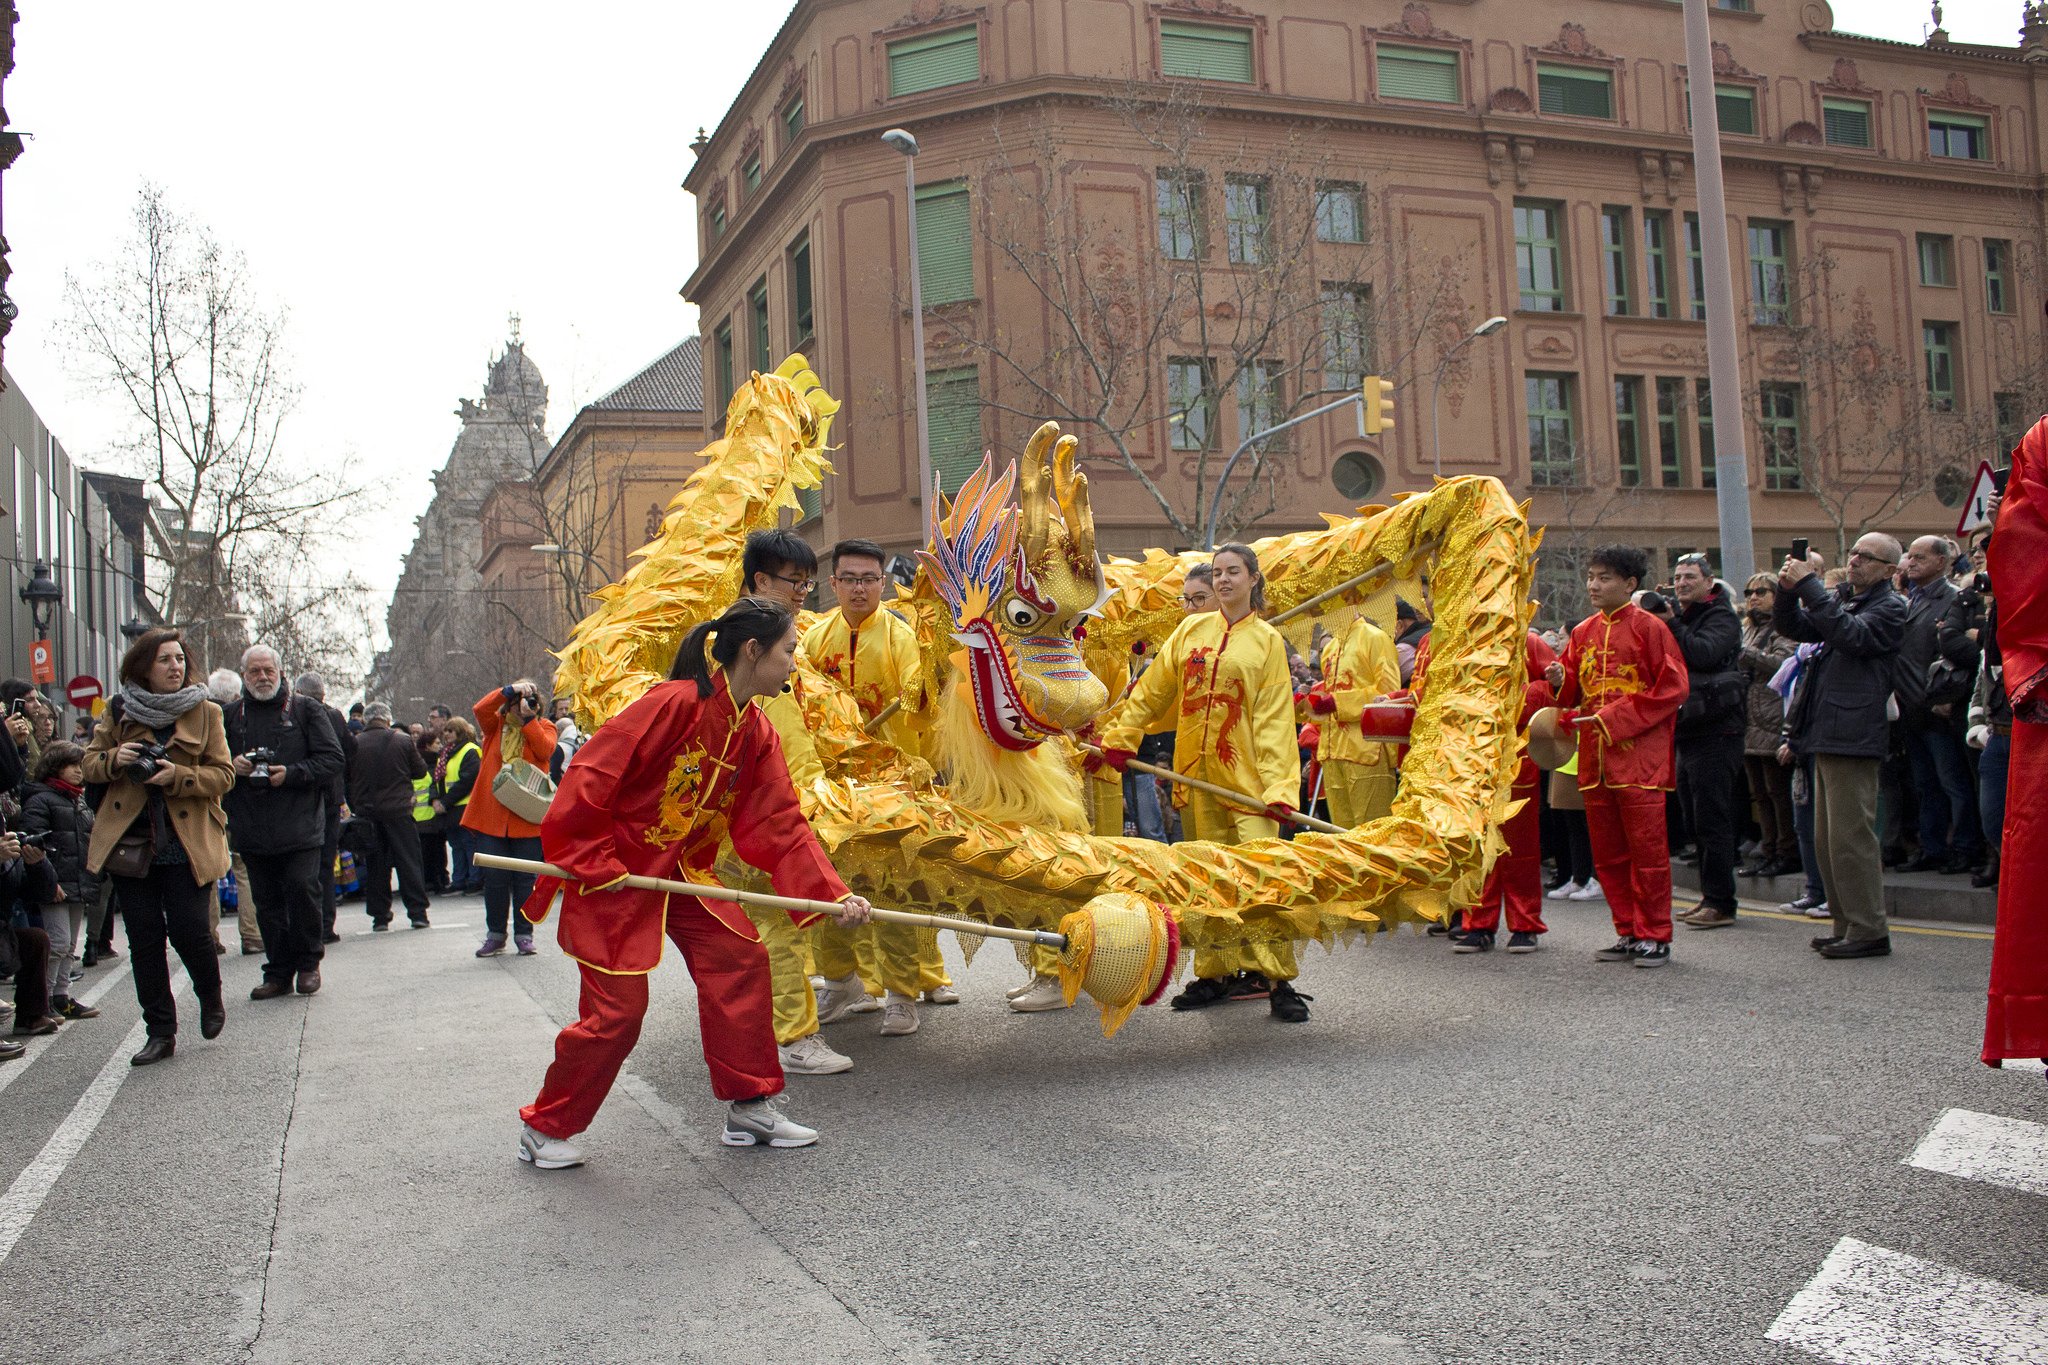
(132, 855)
(524, 790)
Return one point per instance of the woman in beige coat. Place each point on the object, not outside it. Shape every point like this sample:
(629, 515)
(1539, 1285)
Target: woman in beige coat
(161, 834)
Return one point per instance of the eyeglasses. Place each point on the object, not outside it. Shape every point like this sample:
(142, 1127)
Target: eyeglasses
(802, 585)
(857, 580)
(1756, 592)
(1872, 559)
(1188, 601)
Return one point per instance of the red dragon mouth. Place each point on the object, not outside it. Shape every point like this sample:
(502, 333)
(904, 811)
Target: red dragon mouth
(1004, 716)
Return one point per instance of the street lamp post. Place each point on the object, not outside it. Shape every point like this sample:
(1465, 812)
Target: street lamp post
(1436, 445)
(42, 595)
(903, 142)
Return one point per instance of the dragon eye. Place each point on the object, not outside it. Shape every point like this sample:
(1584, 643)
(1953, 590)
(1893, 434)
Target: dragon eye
(1021, 615)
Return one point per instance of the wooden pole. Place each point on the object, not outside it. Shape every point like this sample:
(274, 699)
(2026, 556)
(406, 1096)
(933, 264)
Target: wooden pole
(1380, 570)
(1241, 798)
(881, 717)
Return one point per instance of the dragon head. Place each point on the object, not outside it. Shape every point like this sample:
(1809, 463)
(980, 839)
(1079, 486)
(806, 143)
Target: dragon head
(1021, 584)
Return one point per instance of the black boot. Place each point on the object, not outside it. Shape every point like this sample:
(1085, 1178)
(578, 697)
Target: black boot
(155, 1050)
(1989, 876)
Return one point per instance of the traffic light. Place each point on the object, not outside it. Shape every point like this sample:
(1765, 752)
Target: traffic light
(1379, 404)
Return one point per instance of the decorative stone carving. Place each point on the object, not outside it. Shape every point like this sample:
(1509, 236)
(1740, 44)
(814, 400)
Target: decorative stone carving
(1496, 159)
(1846, 80)
(1525, 157)
(1573, 42)
(1726, 65)
(1804, 134)
(792, 84)
(1511, 100)
(1649, 172)
(1418, 22)
(1957, 91)
(923, 13)
(1810, 180)
(1675, 167)
(1788, 186)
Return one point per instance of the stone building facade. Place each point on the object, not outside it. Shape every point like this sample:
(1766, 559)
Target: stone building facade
(1412, 169)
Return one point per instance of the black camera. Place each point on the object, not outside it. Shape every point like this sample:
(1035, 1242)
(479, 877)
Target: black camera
(1655, 603)
(515, 697)
(36, 840)
(260, 761)
(148, 761)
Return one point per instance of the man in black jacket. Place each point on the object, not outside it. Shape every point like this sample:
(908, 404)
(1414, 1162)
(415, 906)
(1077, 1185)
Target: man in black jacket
(1838, 719)
(1932, 676)
(286, 758)
(380, 792)
(1710, 730)
(314, 686)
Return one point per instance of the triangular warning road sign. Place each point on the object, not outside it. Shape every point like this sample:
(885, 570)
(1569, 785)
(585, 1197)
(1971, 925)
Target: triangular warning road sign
(1977, 510)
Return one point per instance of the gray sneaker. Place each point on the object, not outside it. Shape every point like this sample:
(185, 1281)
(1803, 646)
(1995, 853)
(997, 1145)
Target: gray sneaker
(754, 1123)
(550, 1154)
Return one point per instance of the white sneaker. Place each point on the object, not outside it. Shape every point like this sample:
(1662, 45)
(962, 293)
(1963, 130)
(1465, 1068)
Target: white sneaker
(837, 999)
(899, 1016)
(1015, 991)
(813, 1056)
(1589, 892)
(1820, 911)
(942, 995)
(550, 1154)
(1044, 993)
(1562, 892)
(754, 1123)
(867, 1004)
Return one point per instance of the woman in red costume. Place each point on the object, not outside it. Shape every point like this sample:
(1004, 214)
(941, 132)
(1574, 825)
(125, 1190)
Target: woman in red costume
(652, 794)
(2016, 1018)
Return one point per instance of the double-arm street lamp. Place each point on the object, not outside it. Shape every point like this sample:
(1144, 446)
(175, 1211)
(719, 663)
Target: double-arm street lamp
(1443, 363)
(902, 141)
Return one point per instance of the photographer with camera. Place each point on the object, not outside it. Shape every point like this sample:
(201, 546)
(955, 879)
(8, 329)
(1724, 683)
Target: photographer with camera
(286, 759)
(380, 795)
(160, 831)
(511, 725)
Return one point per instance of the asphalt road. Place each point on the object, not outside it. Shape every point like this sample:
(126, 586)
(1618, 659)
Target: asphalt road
(1470, 1159)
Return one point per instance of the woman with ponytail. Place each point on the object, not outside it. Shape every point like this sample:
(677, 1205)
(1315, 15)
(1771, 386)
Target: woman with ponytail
(654, 792)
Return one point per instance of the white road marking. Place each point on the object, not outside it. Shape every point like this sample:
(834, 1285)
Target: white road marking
(1871, 1306)
(1986, 1147)
(25, 1196)
(2023, 1064)
(395, 930)
(37, 1046)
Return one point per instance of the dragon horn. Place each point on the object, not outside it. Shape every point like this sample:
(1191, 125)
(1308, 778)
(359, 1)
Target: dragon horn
(1070, 486)
(1034, 499)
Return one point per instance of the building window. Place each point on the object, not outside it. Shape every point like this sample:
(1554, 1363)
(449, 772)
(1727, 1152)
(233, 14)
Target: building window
(750, 174)
(757, 314)
(1357, 476)
(1417, 73)
(1552, 456)
(1191, 400)
(1628, 429)
(1735, 109)
(1347, 335)
(1657, 261)
(803, 320)
(1180, 216)
(792, 120)
(1617, 271)
(1340, 212)
(945, 244)
(1846, 123)
(1205, 52)
(953, 424)
(1244, 219)
(1937, 260)
(1770, 278)
(721, 357)
(1965, 136)
(1780, 419)
(717, 221)
(1997, 272)
(1939, 341)
(1670, 443)
(1576, 90)
(1696, 258)
(1703, 407)
(934, 61)
(1260, 404)
(1539, 255)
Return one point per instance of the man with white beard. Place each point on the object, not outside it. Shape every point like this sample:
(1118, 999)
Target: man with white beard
(286, 758)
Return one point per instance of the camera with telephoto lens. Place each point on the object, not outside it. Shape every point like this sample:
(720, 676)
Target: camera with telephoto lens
(36, 840)
(1655, 603)
(260, 761)
(148, 761)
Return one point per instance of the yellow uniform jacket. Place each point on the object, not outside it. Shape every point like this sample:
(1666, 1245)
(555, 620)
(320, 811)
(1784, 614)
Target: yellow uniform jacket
(877, 663)
(1232, 699)
(1359, 667)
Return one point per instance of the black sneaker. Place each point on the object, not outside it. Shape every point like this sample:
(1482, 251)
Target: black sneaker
(420, 922)
(1249, 986)
(380, 926)
(72, 1009)
(1454, 925)
(1624, 950)
(1202, 992)
(1289, 1005)
(1650, 954)
(1522, 941)
(1474, 942)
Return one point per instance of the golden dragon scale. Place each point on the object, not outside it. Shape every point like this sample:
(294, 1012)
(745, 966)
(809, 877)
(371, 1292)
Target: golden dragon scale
(901, 839)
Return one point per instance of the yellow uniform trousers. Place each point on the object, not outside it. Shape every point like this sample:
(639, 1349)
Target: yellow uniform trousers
(789, 974)
(1358, 793)
(1105, 801)
(1205, 817)
(904, 958)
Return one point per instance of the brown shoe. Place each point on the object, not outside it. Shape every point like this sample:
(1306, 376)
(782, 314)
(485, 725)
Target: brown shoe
(49, 1023)
(270, 990)
(309, 981)
(1704, 918)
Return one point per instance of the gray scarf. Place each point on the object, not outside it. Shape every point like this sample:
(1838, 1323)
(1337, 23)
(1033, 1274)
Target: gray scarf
(159, 710)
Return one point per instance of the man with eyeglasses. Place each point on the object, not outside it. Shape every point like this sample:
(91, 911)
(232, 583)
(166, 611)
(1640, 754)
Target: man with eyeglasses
(1839, 720)
(1932, 674)
(1710, 727)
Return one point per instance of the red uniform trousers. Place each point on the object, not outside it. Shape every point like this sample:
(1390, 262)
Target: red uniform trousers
(735, 1015)
(1632, 858)
(1517, 877)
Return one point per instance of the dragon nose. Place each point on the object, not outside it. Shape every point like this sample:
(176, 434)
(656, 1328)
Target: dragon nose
(1062, 703)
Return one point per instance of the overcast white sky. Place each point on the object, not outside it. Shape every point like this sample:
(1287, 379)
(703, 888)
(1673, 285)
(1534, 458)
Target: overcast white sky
(403, 177)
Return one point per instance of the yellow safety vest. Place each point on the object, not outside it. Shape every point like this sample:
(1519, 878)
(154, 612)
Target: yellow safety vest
(423, 798)
(455, 767)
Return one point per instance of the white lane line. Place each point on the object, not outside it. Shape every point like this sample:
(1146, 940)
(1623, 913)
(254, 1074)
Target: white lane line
(40, 1044)
(395, 932)
(25, 1196)
(1987, 1147)
(1870, 1306)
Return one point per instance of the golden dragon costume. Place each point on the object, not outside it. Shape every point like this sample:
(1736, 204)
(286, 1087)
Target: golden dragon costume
(1011, 605)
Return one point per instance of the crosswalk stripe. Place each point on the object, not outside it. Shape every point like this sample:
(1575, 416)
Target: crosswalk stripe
(1987, 1147)
(1871, 1306)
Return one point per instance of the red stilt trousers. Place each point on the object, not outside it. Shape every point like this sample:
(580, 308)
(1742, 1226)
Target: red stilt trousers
(735, 1013)
(1632, 858)
(1517, 877)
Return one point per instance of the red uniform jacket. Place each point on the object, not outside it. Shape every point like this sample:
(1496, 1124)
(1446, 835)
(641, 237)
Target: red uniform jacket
(653, 793)
(1623, 669)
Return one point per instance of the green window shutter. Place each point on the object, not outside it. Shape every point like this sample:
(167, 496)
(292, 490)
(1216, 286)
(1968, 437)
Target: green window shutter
(1575, 90)
(810, 504)
(1417, 73)
(1847, 122)
(945, 244)
(1735, 109)
(931, 63)
(1205, 52)
(953, 417)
